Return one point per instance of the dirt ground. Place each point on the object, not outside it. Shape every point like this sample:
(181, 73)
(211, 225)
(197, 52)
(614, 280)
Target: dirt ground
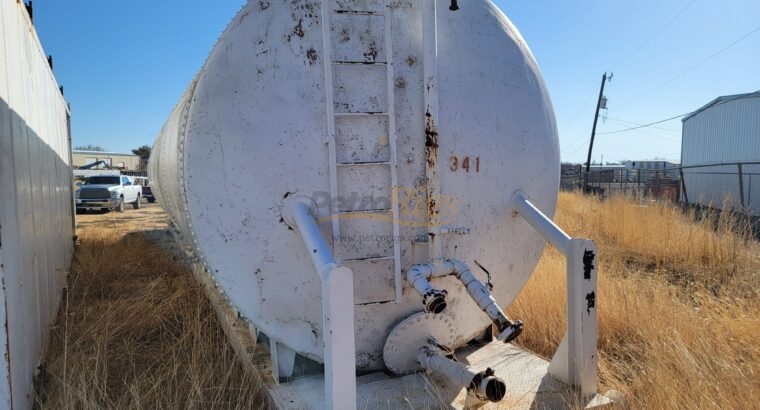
(148, 217)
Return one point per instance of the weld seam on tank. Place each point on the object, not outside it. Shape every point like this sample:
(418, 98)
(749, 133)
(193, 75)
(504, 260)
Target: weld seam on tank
(482, 385)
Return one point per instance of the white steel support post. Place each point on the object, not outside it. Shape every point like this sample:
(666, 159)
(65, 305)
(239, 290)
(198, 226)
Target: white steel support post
(337, 311)
(575, 361)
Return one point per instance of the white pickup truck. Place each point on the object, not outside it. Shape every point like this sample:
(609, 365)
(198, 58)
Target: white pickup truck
(108, 192)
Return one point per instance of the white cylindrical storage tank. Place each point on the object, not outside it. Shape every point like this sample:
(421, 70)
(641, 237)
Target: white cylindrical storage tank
(716, 139)
(384, 125)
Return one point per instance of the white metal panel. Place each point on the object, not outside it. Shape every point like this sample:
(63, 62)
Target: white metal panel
(727, 131)
(36, 209)
(362, 139)
(247, 148)
(361, 42)
(360, 89)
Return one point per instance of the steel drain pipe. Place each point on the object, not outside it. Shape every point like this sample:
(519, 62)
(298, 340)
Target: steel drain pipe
(434, 300)
(482, 385)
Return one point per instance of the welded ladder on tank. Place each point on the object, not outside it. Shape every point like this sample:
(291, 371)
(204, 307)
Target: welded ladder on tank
(361, 133)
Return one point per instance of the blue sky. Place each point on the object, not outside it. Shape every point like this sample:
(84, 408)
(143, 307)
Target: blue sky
(125, 64)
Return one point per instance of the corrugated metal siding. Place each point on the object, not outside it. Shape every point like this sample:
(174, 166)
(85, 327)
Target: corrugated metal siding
(36, 222)
(726, 132)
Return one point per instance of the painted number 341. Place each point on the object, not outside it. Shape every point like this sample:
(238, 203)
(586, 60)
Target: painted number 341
(464, 164)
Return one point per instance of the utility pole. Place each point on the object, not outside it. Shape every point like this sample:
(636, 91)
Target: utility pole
(593, 129)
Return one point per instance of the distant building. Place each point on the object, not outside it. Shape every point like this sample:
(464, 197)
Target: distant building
(127, 162)
(716, 138)
(644, 171)
(606, 173)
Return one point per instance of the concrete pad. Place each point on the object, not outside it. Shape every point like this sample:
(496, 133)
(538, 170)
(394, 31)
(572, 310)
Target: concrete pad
(528, 386)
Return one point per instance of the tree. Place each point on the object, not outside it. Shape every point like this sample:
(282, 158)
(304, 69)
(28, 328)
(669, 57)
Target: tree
(144, 153)
(90, 147)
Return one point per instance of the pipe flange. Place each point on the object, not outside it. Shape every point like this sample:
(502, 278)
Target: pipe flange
(413, 333)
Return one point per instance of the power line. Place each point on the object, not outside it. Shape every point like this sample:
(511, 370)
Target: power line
(692, 68)
(645, 125)
(579, 146)
(630, 123)
(649, 40)
(659, 137)
(578, 114)
(671, 118)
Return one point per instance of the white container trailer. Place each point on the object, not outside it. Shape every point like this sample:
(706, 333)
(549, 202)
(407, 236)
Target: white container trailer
(720, 153)
(350, 171)
(36, 206)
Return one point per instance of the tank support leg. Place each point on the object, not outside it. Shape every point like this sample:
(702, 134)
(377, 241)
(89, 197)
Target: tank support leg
(283, 360)
(480, 385)
(337, 309)
(575, 361)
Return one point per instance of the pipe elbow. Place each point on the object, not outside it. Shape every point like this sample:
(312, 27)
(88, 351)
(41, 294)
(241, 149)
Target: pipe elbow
(434, 300)
(417, 276)
(458, 266)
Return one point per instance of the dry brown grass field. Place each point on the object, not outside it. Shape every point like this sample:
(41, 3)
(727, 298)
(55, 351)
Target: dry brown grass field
(135, 330)
(679, 306)
(679, 314)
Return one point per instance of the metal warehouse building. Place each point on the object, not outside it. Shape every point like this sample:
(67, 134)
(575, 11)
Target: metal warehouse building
(720, 153)
(128, 162)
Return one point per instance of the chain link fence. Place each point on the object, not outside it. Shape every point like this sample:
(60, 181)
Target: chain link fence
(733, 186)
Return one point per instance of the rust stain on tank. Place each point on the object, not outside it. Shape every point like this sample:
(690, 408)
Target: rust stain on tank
(311, 55)
(371, 55)
(298, 29)
(431, 159)
(431, 140)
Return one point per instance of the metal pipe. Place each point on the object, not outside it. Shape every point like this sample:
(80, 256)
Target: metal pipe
(540, 222)
(508, 330)
(482, 385)
(433, 299)
(321, 255)
(337, 309)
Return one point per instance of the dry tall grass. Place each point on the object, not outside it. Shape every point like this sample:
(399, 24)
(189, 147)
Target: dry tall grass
(679, 313)
(135, 330)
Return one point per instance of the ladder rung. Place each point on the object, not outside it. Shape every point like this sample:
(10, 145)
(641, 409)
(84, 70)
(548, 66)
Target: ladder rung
(370, 211)
(349, 164)
(358, 114)
(370, 259)
(360, 12)
(380, 63)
